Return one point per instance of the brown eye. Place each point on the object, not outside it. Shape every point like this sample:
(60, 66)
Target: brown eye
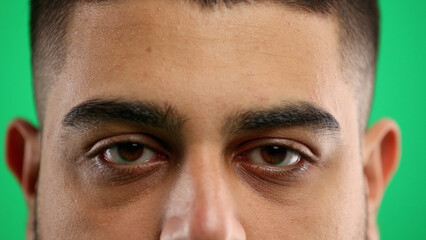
(128, 153)
(276, 156)
(273, 154)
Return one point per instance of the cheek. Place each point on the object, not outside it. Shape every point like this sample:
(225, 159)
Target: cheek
(57, 203)
(331, 205)
(69, 209)
(352, 200)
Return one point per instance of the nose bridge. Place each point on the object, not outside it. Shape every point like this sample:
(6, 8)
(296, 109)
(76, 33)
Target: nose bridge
(206, 168)
(211, 196)
(200, 206)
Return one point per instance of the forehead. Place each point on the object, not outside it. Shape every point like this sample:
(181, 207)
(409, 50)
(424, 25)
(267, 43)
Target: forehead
(207, 62)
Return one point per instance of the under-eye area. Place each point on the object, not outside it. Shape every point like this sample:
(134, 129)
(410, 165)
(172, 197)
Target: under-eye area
(126, 158)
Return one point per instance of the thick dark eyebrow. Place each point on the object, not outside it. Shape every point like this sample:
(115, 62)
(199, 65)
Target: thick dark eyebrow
(98, 111)
(297, 114)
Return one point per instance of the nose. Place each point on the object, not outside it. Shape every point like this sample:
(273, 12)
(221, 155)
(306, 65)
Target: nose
(200, 206)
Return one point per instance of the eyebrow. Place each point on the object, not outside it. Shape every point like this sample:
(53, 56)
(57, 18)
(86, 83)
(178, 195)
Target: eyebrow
(98, 111)
(295, 114)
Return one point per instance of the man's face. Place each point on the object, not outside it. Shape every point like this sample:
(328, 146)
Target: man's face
(232, 123)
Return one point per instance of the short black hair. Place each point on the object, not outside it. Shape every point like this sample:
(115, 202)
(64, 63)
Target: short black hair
(358, 34)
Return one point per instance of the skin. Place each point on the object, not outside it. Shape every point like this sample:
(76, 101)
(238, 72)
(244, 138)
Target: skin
(208, 65)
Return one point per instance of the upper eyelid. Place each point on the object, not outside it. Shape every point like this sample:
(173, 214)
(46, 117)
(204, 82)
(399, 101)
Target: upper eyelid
(157, 146)
(297, 147)
(145, 140)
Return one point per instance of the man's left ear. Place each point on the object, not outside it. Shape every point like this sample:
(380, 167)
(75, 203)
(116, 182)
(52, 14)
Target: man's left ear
(381, 153)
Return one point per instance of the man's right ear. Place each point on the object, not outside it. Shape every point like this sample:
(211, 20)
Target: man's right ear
(23, 156)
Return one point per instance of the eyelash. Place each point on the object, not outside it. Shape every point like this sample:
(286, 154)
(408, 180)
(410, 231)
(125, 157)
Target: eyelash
(274, 172)
(123, 174)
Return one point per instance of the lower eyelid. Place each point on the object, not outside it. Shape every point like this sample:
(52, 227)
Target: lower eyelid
(274, 171)
(121, 174)
(259, 174)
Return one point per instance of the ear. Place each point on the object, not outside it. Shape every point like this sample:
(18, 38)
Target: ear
(381, 153)
(23, 159)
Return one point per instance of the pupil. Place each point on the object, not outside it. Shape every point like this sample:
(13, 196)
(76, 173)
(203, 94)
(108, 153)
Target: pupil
(130, 151)
(273, 154)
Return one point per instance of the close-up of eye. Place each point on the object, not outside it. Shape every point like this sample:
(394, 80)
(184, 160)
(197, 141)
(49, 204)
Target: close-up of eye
(128, 153)
(126, 158)
(275, 156)
(128, 150)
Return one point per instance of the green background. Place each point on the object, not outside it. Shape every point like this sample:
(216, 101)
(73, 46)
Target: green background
(400, 94)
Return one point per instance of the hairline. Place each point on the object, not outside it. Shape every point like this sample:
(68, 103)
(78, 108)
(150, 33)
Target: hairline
(55, 58)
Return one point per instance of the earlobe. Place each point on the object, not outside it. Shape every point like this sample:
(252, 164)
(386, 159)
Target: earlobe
(22, 155)
(381, 153)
